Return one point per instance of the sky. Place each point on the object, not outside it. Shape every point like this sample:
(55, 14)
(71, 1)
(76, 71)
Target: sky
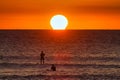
(81, 14)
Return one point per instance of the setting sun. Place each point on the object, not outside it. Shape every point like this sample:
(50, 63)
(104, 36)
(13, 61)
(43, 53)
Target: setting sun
(59, 22)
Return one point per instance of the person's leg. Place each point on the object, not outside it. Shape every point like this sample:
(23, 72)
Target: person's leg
(43, 61)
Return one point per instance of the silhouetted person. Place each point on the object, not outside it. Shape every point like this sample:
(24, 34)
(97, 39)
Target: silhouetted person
(42, 57)
(53, 68)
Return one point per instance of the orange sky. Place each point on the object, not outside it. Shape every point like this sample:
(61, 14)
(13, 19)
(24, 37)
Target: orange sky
(82, 14)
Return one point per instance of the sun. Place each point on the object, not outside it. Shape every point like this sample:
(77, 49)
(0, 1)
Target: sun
(59, 22)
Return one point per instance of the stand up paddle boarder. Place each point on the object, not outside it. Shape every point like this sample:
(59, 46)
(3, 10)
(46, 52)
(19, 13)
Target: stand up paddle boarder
(42, 57)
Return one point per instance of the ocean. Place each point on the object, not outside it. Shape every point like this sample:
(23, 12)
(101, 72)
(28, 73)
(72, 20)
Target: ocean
(77, 54)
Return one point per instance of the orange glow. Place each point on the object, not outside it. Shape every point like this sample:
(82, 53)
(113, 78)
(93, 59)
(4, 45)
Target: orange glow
(62, 57)
(82, 14)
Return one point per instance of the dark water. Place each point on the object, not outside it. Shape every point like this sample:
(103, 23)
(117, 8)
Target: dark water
(77, 54)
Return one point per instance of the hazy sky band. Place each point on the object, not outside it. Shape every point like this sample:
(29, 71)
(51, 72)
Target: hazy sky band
(44, 6)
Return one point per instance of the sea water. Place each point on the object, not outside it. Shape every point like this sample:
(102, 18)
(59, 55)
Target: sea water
(77, 54)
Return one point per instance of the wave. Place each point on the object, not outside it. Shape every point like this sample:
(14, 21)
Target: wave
(74, 57)
(11, 65)
(59, 77)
